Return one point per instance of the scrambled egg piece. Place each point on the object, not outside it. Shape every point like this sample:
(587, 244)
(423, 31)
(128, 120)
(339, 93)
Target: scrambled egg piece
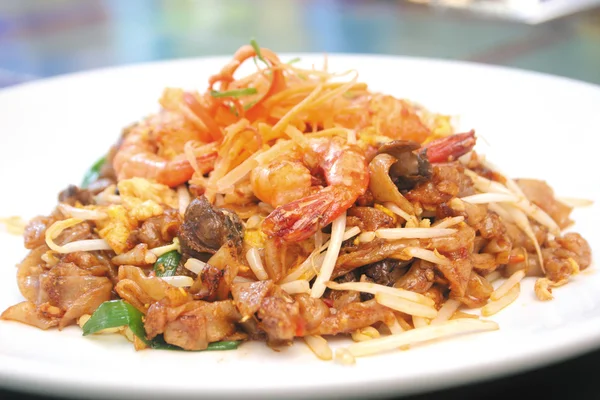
(116, 229)
(442, 125)
(142, 190)
(254, 238)
(140, 200)
(142, 210)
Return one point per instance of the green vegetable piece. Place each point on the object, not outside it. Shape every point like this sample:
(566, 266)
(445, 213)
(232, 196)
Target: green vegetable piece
(294, 60)
(93, 173)
(256, 48)
(167, 264)
(158, 343)
(115, 313)
(225, 345)
(233, 93)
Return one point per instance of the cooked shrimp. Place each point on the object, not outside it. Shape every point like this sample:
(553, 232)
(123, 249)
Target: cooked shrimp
(154, 149)
(281, 181)
(345, 171)
(451, 147)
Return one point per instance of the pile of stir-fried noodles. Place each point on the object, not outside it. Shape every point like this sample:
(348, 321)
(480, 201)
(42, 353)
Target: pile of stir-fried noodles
(292, 202)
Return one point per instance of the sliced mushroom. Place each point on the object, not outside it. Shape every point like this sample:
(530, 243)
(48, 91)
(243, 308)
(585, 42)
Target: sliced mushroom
(397, 167)
(411, 168)
(381, 184)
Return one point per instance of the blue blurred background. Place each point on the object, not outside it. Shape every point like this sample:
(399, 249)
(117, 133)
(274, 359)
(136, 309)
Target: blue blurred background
(40, 38)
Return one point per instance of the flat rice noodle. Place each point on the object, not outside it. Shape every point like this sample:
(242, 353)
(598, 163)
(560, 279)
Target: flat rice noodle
(27, 313)
(28, 274)
(437, 294)
(194, 325)
(248, 296)
(520, 239)
(448, 180)
(477, 293)
(562, 251)
(419, 278)
(96, 263)
(86, 303)
(35, 230)
(207, 283)
(312, 311)
(484, 262)
(279, 316)
(473, 213)
(73, 290)
(457, 245)
(368, 219)
(457, 273)
(354, 316)
(490, 226)
(341, 298)
(159, 230)
(140, 290)
(542, 195)
(81, 231)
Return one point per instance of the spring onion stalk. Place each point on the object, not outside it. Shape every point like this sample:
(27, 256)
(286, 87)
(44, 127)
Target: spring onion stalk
(233, 93)
(158, 343)
(114, 314)
(167, 264)
(256, 48)
(93, 173)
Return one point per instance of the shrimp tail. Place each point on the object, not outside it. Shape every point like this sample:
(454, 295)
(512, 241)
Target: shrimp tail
(301, 218)
(450, 148)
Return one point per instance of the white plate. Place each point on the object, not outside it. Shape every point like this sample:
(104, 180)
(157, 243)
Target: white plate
(532, 125)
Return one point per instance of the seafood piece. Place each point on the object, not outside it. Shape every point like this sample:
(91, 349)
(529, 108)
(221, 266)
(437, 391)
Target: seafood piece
(193, 325)
(450, 148)
(153, 149)
(281, 181)
(397, 118)
(207, 228)
(346, 174)
(410, 169)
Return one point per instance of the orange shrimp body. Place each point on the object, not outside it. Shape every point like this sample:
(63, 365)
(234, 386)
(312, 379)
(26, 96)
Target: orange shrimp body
(281, 181)
(346, 174)
(153, 149)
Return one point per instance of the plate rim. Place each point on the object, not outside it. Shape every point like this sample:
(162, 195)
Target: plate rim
(566, 350)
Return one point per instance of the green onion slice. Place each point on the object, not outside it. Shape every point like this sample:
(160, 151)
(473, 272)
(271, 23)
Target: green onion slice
(113, 314)
(166, 265)
(93, 173)
(233, 93)
(256, 48)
